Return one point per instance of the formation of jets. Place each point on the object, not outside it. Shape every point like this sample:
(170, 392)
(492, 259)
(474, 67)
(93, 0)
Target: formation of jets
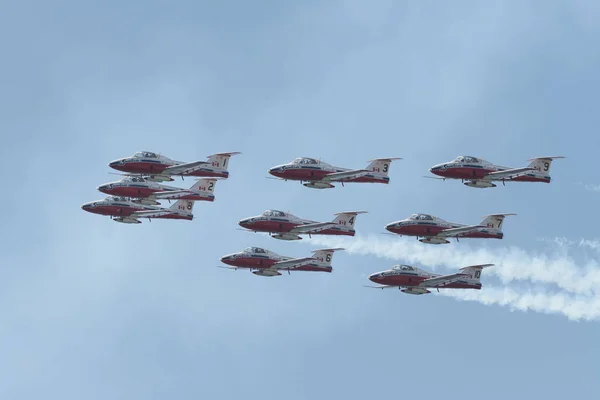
(138, 195)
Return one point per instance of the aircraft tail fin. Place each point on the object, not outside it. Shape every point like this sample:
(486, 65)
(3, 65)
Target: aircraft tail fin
(494, 220)
(183, 205)
(325, 255)
(347, 218)
(205, 185)
(221, 160)
(381, 165)
(475, 270)
(542, 164)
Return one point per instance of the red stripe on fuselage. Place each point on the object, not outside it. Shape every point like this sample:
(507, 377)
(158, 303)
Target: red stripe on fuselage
(408, 280)
(209, 174)
(141, 167)
(318, 175)
(463, 172)
(531, 179)
(250, 262)
(432, 230)
(117, 211)
(174, 216)
(129, 191)
(284, 227)
(264, 263)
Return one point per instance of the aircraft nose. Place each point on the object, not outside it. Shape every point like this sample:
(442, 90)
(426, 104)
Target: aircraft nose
(244, 222)
(102, 188)
(275, 170)
(394, 225)
(436, 168)
(227, 259)
(115, 164)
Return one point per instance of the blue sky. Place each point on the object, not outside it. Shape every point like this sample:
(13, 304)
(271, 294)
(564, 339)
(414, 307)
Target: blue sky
(94, 309)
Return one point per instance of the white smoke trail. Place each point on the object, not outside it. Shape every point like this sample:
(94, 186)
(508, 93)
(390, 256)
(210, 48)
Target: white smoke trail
(589, 186)
(593, 188)
(573, 307)
(580, 284)
(511, 263)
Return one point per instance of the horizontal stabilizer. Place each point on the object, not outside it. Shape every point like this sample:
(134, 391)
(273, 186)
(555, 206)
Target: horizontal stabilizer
(233, 153)
(351, 212)
(385, 159)
(336, 249)
(546, 158)
(477, 266)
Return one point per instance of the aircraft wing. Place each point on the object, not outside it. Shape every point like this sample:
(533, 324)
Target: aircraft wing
(507, 173)
(313, 228)
(172, 194)
(443, 280)
(151, 213)
(293, 263)
(340, 176)
(383, 287)
(184, 168)
(459, 231)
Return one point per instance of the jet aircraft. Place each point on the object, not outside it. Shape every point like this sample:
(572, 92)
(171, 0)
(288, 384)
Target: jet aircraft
(122, 209)
(435, 230)
(285, 226)
(412, 280)
(319, 175)
(478, 173)
(148, 192)
(159, 168)
(264, 262)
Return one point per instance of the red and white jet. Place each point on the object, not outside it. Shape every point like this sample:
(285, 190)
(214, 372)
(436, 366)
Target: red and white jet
(122, 209)
(479, 173)
(435, 230)
(411, 280)
(264, 262)
(285, 226)
(319, 175)
(159, 168)
(143, 191)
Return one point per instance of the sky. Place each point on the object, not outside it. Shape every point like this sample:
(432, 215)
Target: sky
(93, 309)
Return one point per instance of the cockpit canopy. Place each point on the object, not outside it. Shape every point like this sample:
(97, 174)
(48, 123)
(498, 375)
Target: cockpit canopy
(116, 198)
(402, 268)
(274, 213)
(133, 179)
(145, 154)
(254, 250)
(305, 160)
(466, 159)
(421, 217)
